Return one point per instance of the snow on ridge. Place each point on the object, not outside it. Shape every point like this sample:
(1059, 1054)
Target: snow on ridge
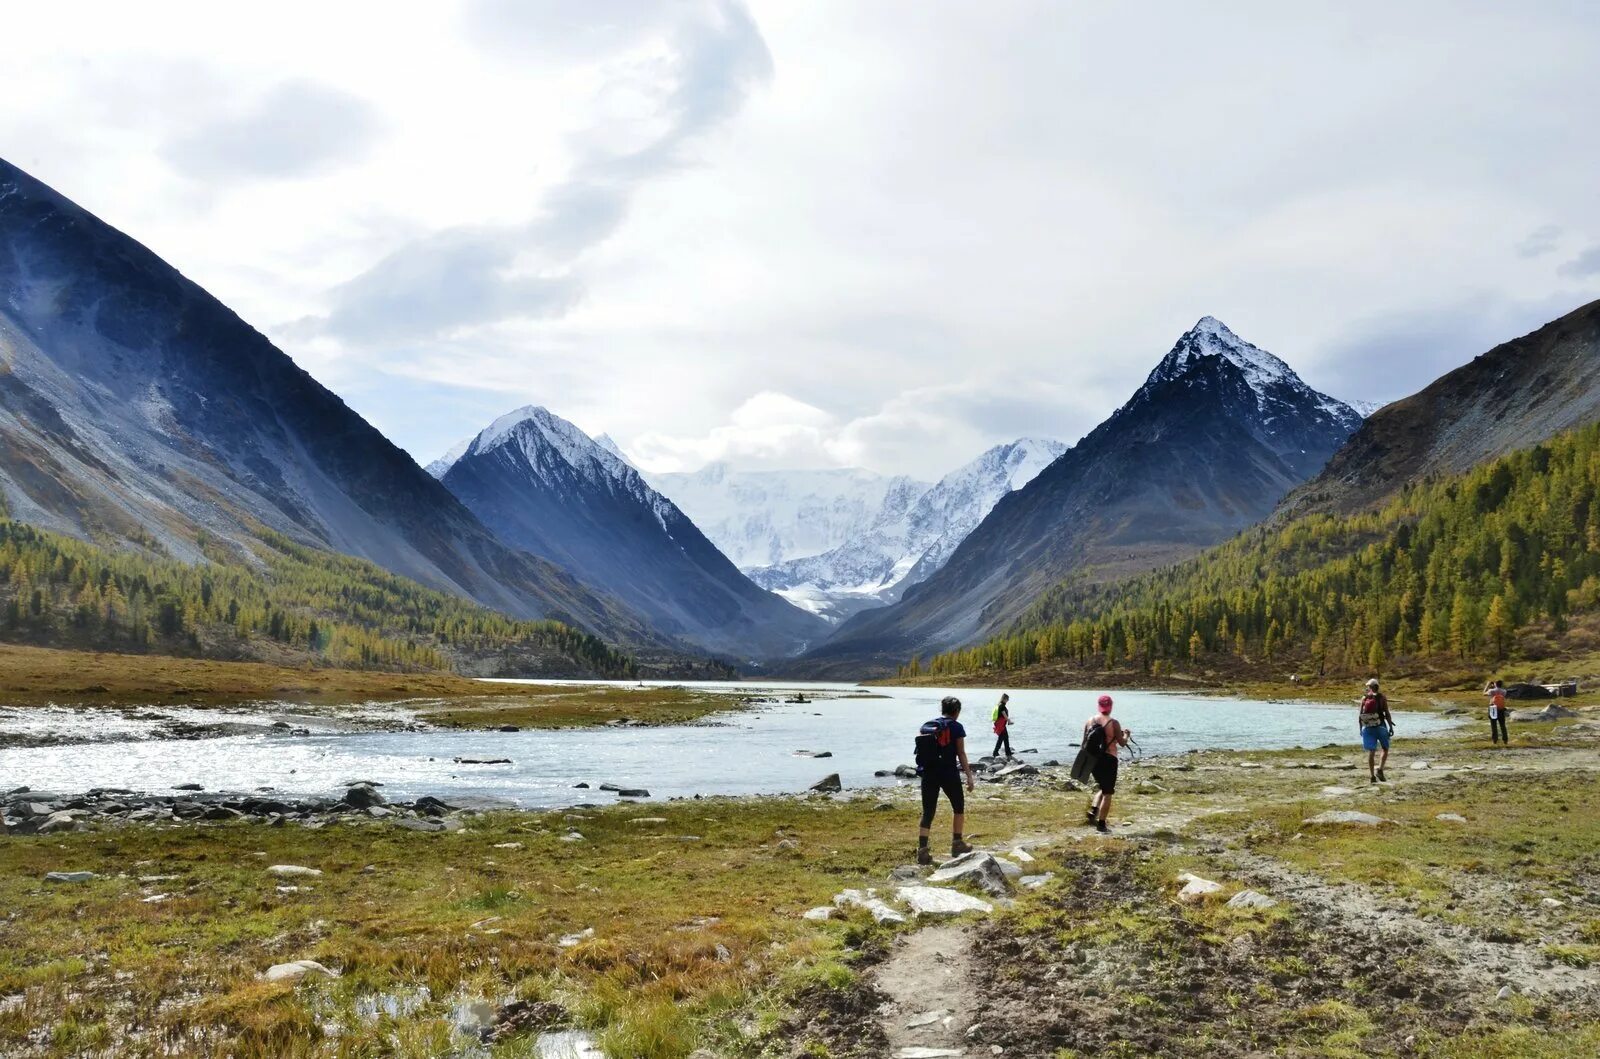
(441, 466)
(1210, 337)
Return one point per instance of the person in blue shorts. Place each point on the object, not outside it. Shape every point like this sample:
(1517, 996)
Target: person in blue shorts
(1377, 726)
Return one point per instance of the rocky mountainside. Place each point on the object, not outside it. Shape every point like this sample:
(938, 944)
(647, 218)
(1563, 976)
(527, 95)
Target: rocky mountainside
(761, 518)
(1509, 398)
(136, 410)
(545, 486)
(1216, 436)
(904, 547)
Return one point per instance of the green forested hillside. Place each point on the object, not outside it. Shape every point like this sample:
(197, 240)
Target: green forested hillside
(1476, 568)
(293, 602)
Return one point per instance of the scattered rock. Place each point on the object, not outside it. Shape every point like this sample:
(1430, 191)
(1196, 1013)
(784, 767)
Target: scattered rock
(1551, 712)
(293, 972)
(571, 940)
(482, 760)
(648, 820)
(431, 806)
(293, 871)
(1251, 899)
(939, 901)
(1420, 766)
(1345, 816)
(66, 820)
(1018, 769)
(819, 914)
(927, 1018)
(1506, 993)
(188, 787)
(905, 772)
(507, 845)
(572, 836)
(905, 873)
(1195, 888)
(829, 784)
(1451, 818)
(928, 1053)
(879, 910)
(1337, 792)
(1551, 902)
(1021, 856)
(1034, 882)
(70, 876)
(978, 868)
(363, 796)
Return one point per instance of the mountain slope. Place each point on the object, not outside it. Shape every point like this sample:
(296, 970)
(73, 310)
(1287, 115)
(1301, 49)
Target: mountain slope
(543, 485)
(1216, 436)
(901, 549)
(759, 518)
(1518, 393)
(137, 410)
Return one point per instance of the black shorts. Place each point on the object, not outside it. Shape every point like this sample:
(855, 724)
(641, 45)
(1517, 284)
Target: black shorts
(950, 784)
(1105, 774)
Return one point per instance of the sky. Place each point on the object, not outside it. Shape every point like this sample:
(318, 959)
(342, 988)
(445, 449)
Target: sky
(809, 233)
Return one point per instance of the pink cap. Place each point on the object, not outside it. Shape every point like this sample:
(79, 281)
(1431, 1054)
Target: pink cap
(1105, 704)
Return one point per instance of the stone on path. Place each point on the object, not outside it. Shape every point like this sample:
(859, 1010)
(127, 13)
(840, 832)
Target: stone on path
(880, 910)
(1195, 888)
(819, 914)
(927, 1018)
(1345, 816)
(928, 1053)
(829, 784)
(70, 876)
(293, 972)
(1337, 792)
(293, 871)
(1251, 899)
(977, 867)
(938, 901)
(1421, 766)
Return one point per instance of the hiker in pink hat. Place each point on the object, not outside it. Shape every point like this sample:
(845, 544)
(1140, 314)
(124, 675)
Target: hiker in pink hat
(1103, 737)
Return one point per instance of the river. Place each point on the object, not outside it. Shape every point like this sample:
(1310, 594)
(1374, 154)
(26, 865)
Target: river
(752, 751)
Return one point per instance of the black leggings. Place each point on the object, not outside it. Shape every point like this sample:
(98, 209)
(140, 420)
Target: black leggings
(1003, 738)
(932, 784)
(1497, 729)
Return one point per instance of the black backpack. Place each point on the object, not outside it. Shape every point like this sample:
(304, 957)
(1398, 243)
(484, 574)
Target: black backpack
(933, 740)
(1094, 739)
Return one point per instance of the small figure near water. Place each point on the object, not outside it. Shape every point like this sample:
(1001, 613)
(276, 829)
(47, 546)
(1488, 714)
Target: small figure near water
(941, 755)
(1496, 690)
(1002, 727)
(1097, 759)
(1377, 725)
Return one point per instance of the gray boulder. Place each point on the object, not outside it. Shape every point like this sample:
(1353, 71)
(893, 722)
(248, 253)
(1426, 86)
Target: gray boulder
(363, 796)
(977, 868)
(1345, 816)
(829, 784)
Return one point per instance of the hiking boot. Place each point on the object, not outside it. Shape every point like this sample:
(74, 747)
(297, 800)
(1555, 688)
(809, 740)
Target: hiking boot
(1381, 777)
(1091, 817)
(958, 847)
(1372, 779)
(924, 857)
(1100, 826)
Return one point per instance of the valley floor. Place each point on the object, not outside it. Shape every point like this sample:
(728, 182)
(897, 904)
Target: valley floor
(1465, 923)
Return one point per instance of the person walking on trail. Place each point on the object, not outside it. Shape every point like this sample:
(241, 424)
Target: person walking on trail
(1377, 725)
(941, 752)
(1002, 727)
(1103, 738)
(1496, 690)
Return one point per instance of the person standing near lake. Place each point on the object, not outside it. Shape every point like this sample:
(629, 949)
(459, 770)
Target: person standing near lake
(941, 752)
(1002, 726)
(1103, 737)
(1377, 725)
(1496, 690)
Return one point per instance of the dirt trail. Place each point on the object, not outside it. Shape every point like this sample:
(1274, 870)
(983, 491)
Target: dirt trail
(932, 993)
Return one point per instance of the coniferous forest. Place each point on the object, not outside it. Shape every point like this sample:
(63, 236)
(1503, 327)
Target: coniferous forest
(1478, 569)
(290, 603)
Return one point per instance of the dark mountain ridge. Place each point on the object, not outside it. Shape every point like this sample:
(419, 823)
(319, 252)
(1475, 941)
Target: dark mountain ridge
(1517, 394)
(137, 410)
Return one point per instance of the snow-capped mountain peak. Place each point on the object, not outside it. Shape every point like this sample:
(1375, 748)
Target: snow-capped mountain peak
(439, 467)
(1210, 337)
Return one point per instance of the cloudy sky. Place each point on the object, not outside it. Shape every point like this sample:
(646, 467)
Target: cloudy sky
(808, 233)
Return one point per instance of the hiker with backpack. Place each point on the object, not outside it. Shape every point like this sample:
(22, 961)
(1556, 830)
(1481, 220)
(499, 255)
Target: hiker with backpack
(941, 754)
(1002, 726)
(1377, 725)
(1097, 760)
(1496, 690)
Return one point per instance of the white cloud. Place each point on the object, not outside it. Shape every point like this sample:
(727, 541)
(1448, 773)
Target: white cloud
(936, 226)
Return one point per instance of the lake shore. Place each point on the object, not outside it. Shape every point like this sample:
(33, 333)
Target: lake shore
(478, 934)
